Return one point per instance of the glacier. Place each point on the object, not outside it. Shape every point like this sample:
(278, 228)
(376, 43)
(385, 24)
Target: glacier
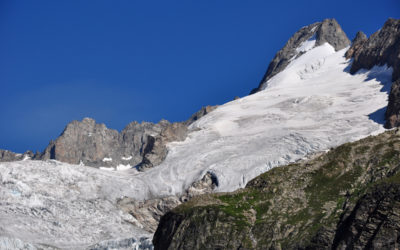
(311, 106)
(49, 203)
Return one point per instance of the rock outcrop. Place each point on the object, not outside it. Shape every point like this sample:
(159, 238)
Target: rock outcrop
(148, 213)
(141, 145)
(393, 109)
(202, 112)
(347, 198)
(356, 44)
(382, 48)
(155, 148)
(94, 144)
(327, 31)
(6, 155)
(374, 223)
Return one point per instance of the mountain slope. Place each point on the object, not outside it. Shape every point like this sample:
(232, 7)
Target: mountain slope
(64, 206)
(327, 31)
(347, 198)
(312, 105)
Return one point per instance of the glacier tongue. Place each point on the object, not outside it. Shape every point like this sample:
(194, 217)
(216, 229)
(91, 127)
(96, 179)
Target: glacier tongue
(313, 105)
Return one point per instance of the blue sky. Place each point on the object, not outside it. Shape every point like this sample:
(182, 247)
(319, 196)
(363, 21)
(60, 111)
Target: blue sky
(119, 61)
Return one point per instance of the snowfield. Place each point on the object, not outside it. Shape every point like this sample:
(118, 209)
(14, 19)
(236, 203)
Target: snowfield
(311, 106)
(66, 206)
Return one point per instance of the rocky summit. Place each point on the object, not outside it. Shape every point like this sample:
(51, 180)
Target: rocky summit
(327, 31)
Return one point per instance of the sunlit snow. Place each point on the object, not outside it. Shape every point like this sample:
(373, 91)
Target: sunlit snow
(307, 45)
(311, 106)
(314, 104)
(106, 159)
(62, 205)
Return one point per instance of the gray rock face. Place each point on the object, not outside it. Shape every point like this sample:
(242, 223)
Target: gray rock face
(142, 145)
(383, 47)
(96, 145)
(330, 32)
(393, 108)
(327, 31)
(374, 223)
(356, 44)
(155, 150)
(6, 155)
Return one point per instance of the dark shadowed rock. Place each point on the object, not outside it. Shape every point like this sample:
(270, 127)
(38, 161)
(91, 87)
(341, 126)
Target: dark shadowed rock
(374, 223)
(327, 31)
(393, 108)
(382, 48)
(357, 42)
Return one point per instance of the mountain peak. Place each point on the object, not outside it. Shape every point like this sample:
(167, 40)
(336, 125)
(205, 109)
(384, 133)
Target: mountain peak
(327, 31)
(357, 42)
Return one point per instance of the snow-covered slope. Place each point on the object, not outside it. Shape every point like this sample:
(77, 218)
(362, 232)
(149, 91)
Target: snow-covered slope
(66, 206)
(313, 105)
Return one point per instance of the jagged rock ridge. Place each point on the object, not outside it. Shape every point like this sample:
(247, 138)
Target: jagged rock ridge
(95, 145)
(327, 31)
(139, 144)
(382, 47)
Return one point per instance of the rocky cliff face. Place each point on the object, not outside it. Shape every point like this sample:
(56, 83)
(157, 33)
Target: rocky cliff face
(374, 223)
(383, 47)
(347, 198)
(356, 44)
(142, 145)
(327, 31)
(94, 144)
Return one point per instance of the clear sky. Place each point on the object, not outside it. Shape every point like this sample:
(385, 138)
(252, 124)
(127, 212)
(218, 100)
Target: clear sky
(119, 61)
